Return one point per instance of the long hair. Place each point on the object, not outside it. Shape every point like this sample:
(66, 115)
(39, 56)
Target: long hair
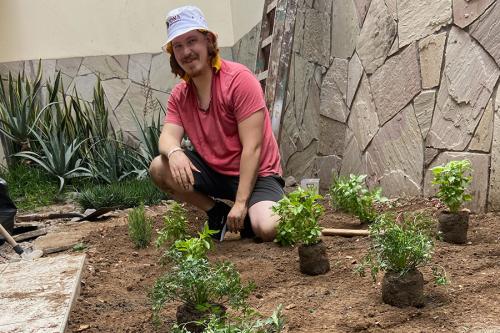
(213, 50)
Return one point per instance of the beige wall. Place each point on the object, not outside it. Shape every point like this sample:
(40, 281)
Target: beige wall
(245, 15)
(33, 29)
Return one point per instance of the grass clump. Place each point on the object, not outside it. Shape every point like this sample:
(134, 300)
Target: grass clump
(140, 227)
(350, 195)
(30, 187)
(123, 194)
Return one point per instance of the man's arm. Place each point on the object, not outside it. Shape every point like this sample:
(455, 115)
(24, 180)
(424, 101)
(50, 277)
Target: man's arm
(251, 132)
(169, 145)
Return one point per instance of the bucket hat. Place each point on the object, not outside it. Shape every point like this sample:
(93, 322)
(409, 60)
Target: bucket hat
(182, 20)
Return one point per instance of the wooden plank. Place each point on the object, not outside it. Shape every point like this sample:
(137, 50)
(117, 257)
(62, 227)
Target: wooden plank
(265, 31)
(280, 83)
(262, 76)
(266, 41)
(30, 235)
(345, 232)
(271, 6)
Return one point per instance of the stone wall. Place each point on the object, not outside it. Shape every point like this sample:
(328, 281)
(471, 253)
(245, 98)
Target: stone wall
(391, 88)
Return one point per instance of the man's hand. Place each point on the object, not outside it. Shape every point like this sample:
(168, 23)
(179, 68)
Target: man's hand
(181, 169)
(236, 217)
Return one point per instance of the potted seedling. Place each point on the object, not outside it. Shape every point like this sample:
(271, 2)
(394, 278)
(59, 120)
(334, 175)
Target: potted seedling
(399, 247)
(350, 195)
(299, 213)
(452, 180)
(204, 289)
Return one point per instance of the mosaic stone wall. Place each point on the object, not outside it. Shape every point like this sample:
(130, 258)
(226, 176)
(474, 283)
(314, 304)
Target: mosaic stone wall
(391, 88)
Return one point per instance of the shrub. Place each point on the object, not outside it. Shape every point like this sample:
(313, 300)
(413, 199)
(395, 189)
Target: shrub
(399, 245)
(29, 187)
(196, 282)
(351, 196)
(452, 182)
(140, 227)
(299, 213)
(124, 194)
(174, 225)
(249, 323)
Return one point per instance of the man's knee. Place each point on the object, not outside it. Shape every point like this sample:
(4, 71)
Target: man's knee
(264, 221)
(160, 172)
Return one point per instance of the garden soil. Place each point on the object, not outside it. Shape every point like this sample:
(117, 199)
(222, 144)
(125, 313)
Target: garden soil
(117, 278)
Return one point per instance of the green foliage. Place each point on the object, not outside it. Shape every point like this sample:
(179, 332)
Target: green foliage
(57, 158)
(140, 227)
(29, 187)
(351, 196)
(399, 244)
(195, 247)
(299, 213)
(453, 181)
(79, 247)
(174, 225)
(149, 136)
(20, 106)
(250, 322)
(196, 282)
(124, 194)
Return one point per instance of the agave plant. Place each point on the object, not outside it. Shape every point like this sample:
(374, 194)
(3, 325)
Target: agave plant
(20, 106)
(58, 158)
(149, 135)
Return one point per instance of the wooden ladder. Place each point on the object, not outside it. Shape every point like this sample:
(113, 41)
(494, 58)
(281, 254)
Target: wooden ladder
(274, 54)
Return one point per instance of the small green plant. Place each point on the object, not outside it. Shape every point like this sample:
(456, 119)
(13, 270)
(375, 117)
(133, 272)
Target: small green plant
(399, 245)
(351, 196)
(29, 187)
(196, 282)
(124, 194)
(452, 180)
(140, 227)
(79, 247)
(174, 225)
(299, 213)
(250, 322)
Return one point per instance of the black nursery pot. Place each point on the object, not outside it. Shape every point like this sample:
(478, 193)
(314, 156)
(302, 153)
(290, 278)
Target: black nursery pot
(187, 314)
(313, 259)
(454, 226)
(403, 290)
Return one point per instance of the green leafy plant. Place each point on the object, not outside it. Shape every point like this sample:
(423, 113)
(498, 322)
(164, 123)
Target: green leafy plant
(124, 194)
(452, 180)
(140, 227)
(174, 225)
(399, 245)
(351, 196)
(79, 247)
(58, 159)
(299, 213)
(250, 322)
(196, 282)
(30, 187)
(20, 105)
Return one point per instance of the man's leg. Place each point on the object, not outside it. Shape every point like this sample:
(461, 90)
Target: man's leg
(161, 176)
(264, 221)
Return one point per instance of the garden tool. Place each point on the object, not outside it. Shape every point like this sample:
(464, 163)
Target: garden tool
(344, 232)
(28, 255)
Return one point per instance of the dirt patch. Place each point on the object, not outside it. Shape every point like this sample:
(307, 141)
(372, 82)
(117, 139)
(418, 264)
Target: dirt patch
(118, 277)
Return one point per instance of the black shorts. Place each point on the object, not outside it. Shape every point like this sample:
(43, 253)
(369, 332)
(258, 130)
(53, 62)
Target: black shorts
(214, 184)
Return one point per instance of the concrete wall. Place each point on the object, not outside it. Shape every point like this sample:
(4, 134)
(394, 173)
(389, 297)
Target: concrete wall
(391, 88)
(50, 29)
(245, 15)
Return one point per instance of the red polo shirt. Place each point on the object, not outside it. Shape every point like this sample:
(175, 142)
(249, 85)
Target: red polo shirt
(236, 94)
